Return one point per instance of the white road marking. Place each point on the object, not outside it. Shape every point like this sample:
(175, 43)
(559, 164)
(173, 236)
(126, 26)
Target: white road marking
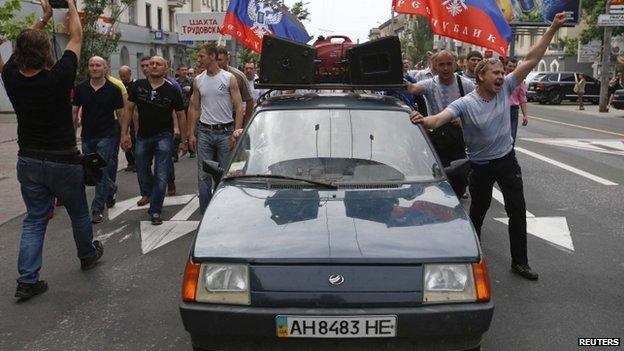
(555, 230)
(566, 167)
(576, 126)
(605, 146)
(155, 236)
(169, 201)
(121, 207)
(104, 237)
(187, 211)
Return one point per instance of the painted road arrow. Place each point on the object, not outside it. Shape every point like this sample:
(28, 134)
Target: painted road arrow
(554, 230)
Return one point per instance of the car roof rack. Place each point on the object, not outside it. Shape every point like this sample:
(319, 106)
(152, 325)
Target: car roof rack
(290, 65)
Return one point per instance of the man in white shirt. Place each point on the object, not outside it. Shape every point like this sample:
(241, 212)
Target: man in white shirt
(216, 98)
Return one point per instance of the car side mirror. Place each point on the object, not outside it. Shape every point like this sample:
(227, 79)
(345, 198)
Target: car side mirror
(457, 173)
(212, 168)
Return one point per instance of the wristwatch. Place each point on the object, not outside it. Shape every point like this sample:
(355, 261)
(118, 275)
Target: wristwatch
(42, 20)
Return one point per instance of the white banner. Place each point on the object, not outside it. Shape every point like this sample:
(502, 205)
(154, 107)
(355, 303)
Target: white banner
(201, 26)
(589, 52)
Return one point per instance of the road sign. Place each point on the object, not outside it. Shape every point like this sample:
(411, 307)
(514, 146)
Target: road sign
(200, 25)
(616, 7)
(611, 20)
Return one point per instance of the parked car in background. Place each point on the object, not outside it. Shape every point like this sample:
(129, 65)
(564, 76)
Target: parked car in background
(618, 99)
(531, 77)
(555, 87)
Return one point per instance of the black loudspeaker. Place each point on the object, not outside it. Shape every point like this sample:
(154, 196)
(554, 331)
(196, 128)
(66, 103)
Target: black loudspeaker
(286, 62)
(376, 62)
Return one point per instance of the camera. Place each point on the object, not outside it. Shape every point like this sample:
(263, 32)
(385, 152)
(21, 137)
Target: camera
(59, 4)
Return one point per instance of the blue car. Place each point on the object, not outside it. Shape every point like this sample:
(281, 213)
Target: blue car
(333, 227)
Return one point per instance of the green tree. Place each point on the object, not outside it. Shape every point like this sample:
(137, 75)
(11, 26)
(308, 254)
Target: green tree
(569, 45)
(300, 10)
(416, 42)
(95, 41)
(11, 25)
(590, 11)
(247, 55)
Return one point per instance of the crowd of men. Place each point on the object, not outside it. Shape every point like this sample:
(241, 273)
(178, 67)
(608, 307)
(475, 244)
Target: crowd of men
(472, 114)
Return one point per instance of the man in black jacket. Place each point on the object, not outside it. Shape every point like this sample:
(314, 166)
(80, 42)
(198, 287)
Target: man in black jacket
(48, 164)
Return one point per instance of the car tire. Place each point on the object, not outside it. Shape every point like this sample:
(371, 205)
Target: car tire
(555, 97)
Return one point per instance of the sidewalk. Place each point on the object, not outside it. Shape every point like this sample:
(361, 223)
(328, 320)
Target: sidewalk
(590, 109)
(12, 204)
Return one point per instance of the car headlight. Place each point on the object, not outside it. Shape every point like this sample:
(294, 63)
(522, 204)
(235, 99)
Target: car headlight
(445, 283)
(223, 283)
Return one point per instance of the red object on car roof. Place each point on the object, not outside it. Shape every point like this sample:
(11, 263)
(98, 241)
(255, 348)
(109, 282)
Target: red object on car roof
(331, 56)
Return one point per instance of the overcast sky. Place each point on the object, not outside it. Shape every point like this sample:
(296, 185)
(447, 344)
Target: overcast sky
(353, 18)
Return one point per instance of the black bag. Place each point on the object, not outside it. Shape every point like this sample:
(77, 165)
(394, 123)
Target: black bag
(93, 164)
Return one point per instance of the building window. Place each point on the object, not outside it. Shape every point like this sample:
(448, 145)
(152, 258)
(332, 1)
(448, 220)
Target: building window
(159, 15)
(148, 15)
(172, 21)
(532, 39)
(124, 57)
(131, 14)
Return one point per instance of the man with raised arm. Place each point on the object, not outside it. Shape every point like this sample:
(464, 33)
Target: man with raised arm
(484, 115)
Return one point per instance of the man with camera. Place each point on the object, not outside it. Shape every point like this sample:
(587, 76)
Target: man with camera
(99, 99)
(49, 164)
(156, 99)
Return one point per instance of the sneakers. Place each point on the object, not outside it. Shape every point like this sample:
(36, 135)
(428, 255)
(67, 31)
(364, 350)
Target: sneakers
(143, 201)
(171, 189)
(156, 219)
(25, 291)
(524, 271)
(112, 199)
(88, 263)
(97, 218)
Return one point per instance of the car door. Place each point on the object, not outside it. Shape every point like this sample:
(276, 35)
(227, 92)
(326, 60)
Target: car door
(567, 82)
(592, 87)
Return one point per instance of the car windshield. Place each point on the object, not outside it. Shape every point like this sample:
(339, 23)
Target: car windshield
(335, 145)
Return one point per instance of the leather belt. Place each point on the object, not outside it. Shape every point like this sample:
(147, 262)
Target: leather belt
(225, 127)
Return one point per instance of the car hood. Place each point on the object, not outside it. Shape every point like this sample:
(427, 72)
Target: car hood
(411, 223)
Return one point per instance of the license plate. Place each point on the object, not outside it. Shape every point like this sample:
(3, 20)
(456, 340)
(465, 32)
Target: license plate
(336, 326)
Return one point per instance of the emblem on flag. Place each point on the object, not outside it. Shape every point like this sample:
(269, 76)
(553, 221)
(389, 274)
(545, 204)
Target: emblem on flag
(263, 14)
(455, 7)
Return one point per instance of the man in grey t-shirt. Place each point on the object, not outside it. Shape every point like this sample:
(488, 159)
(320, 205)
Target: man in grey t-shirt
(485, 117)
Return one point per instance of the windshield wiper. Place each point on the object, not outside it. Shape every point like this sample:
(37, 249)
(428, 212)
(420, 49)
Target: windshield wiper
(277, 176)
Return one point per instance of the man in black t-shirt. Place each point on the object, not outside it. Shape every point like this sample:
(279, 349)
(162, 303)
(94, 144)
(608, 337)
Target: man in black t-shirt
(156, 99)
(48, 163)
(99, 99)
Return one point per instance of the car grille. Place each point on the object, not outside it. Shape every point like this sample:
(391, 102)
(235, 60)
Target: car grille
(309, 286)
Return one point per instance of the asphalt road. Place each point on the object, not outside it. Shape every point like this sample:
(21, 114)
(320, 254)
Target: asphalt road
(130, 301)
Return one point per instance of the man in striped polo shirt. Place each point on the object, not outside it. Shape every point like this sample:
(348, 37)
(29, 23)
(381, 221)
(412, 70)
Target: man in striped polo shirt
(484, 114)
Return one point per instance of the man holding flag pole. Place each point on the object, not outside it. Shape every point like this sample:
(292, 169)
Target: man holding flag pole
(484, 115)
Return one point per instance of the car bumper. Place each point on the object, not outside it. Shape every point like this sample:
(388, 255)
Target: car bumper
(432, 327)
(618, 104)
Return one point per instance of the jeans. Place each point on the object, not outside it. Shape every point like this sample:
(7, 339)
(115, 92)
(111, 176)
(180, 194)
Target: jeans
(507, 173)
(514, 121)
(159, 148)
(211, 145)
(40, 182)
(111, 168)
(105, 147)
(176, 145)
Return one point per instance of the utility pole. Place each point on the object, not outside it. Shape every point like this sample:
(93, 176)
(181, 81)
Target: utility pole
(605, 69)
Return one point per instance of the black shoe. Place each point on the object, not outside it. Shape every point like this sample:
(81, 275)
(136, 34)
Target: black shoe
(191, 154)
(112, 199)
(27, 290)
(156, 220)
(130, 168)
(97, 218)
(88, 263)
(524, 270)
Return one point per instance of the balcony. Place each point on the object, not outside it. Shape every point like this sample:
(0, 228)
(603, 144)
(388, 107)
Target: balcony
(176, 3)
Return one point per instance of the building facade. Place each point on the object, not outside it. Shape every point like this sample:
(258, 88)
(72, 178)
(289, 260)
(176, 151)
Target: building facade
(148, 28)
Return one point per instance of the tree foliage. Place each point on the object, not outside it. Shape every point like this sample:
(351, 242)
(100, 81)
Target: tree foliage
(416, 42)
(11, 25)
(590, 10)
(300, 10)
(247, 55)
(95, 41)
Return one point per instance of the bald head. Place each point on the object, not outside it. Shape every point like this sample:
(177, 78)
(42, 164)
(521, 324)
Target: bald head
(445, 63)
(158, 67)
(97, 67)
(125, 74)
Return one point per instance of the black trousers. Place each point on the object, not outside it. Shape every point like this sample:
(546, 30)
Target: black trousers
(507, 173)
